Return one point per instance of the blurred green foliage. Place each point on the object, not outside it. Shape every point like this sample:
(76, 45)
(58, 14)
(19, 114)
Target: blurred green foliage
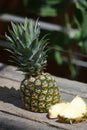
(74, 14)
(46, 7)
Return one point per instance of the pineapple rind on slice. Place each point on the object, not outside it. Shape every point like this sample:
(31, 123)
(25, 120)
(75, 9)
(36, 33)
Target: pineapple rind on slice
(72, 118)
(54, 110)
(75, 112)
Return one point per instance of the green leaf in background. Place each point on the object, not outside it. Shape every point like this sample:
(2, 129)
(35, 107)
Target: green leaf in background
(72, 70)
(72, 66)
(85, 47)
(53, 2)
(58, 57)
(84, 32)
(81, 4)
(48, 11)
(46, 7)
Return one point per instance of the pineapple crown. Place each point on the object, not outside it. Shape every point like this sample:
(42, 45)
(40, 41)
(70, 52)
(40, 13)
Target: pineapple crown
(27, 49)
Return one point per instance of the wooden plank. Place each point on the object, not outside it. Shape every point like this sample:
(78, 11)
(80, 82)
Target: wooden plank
(11, 104)
(11, 122)
(72, 87)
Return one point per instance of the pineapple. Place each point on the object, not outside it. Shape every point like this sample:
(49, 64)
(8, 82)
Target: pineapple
(74, 111)
(38, 89)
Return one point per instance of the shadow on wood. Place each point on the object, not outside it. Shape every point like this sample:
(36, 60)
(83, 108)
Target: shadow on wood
(10, 95)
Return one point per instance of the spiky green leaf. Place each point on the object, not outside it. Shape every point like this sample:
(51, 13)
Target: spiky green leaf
(28, 50)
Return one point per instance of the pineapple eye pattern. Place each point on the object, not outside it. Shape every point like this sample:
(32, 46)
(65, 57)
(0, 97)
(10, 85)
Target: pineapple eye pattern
(44, 84)
(37, 82)
(34, 96)
(51, 91)
(34, 103)
(41, 97)
(42, 77)
(44, 91)
(51, 84)
(26, 82)
(41, 105)
(40, 93)
(37, 90)
(32, 79)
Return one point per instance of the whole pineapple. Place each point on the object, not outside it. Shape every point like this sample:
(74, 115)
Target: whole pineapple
(39, 89)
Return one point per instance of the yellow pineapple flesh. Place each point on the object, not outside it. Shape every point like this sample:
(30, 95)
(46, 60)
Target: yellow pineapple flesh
(74, 111)
(56, 109)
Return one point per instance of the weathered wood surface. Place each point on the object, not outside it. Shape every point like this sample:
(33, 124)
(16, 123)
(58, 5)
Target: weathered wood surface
(12, 114)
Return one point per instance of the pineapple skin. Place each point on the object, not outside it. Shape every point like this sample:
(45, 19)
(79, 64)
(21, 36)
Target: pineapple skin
(71, 120)
(39, 93)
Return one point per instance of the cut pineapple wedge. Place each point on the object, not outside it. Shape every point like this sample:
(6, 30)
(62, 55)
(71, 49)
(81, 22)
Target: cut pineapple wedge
(75, 111)
(56, 109)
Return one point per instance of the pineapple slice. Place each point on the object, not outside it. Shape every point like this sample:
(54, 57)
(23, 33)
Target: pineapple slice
(56, 109)
(76, 111)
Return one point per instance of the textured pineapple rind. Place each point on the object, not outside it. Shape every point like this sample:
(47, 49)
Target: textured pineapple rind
(72, 120)
(39, 93)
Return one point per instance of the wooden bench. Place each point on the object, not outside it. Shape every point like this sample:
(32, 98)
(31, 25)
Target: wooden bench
(14, 117)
